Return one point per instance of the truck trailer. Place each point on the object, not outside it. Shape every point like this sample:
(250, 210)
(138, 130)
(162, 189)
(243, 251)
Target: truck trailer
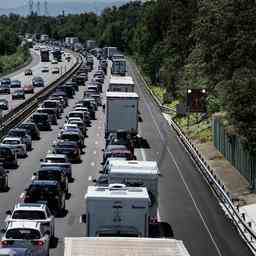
(122, 112)
(118, 67)
(117, 210)
(108, 52)
(121, 84)
(137, 174)
(45, 55)
(123, 246)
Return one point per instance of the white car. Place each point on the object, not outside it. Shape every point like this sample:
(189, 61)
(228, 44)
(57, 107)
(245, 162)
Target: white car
(45, 69)
(32, 212)
(29, 234)
(17, 144)
(56, 70)
(54, 62)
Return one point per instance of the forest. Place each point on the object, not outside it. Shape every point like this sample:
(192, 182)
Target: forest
(184, 43)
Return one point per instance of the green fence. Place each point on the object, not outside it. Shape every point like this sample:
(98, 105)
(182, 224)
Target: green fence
(232, 149)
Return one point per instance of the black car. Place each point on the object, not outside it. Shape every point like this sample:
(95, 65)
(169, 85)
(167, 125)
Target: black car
(15, 84)
(74, 136)
(87, 103)
(68, 148)
(21, 133)
(18, 94)
(31, 129)
(42, 121)
(53, 173)
(3, 179)
(74, 85)
(48, 192)
(38, 81)
(28, 72)
(4, 104)
(5, 88)
(8, 156)
(6, 81)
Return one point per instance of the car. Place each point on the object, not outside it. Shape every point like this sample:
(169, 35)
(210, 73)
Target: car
(6, 81)
(8, 156)
(38, 81)
(58, 160)
(53, 104)
(69, 148)
(32, 212)
(15, 84)
(53, 173)
(45, 69)
(3, 178)
(75, 136)
(74, 85)
(51, 113)
(48, 192)
(77, 113)
(17, 144)
(42, 121)
(54, 62)
(88, 103)
(110, 148)
(28, 88)
(5, 89)
(27, 234)
(14, 251)
(28, 72)
(80, 124)
(60, 99)
(21, 133)
(4, 105)
(18, 94)
(31, 129)
(55, 70)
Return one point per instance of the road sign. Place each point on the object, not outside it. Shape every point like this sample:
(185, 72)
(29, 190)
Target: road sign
(196, 100)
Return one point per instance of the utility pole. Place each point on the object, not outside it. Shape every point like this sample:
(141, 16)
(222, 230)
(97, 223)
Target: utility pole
(46, 11)
(38, 11)
(30, 7)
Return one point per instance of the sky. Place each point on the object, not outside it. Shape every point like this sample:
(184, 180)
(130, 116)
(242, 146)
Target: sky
(16, 3)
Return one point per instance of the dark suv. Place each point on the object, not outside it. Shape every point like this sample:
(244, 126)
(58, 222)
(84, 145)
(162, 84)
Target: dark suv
(53, 173)
(42, 121)
(48, 192)
(8, 156)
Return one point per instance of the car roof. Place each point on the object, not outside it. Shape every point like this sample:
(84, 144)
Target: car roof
(45, 182)
(18, 129)
(71, 131)
(24, 224)
(56, 156)
(29, 206)
(12, 138)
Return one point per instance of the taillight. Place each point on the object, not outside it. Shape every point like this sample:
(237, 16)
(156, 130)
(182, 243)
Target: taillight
(38, 243)
(6, 242)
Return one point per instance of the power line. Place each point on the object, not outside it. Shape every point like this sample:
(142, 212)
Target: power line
(30, 7)
(46, 11)
(38, 8)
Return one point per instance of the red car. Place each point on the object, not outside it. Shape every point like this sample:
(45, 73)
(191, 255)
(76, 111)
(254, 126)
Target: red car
(28, 88)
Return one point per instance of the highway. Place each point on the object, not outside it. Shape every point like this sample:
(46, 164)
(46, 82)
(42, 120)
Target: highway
(36, 66)
(186, 202)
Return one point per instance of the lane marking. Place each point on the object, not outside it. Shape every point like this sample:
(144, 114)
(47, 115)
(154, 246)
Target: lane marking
(181, 175)
(96, 142)
(92, 164)
(94, 152)
(90, 178)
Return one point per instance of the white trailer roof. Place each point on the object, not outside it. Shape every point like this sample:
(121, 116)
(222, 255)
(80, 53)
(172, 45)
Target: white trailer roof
(123, 246)
(111, 192)
(135, 167)
(121, 80)
(122, 95)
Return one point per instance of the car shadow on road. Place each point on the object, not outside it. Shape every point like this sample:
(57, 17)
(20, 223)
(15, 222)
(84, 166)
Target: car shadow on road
(54, 242)
(141, 143)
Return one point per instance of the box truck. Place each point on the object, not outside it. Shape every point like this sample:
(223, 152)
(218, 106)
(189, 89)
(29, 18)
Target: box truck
(137, 174)
(45, 55)
(121, 84)
(117, 210)
(108, 52)
(121, 112)
(123, 246)
(118, 67)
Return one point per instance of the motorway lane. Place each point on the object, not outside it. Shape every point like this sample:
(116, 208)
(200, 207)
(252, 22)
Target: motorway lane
(48, 77)
(186, 202)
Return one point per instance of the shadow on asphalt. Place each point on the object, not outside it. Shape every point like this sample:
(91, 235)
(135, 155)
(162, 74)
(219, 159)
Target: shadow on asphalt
(141, 143)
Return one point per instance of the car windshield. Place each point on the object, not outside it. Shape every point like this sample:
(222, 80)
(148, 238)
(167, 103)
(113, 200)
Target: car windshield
(71, 137)
(55, 160)
(50, 104)
(76, 115)
(40, 118)
(29, 215)
(24, 233)
(49, 175)
(17, 133)
(11, 142)
(65, 146)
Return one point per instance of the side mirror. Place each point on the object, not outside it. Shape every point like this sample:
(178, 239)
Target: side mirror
(9, 212)
(103, 150)
(35, 173)
(83, 218)
(7, 171)
(94, 180)
(101, 171)
(41, 160)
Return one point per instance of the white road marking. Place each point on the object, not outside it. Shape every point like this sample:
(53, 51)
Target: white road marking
(80, 219)
(94, 152)
(181, 175)
(98, 134)
(96, 142)
(158, 215)
(92, 164)
(33, 177)
(90, 178)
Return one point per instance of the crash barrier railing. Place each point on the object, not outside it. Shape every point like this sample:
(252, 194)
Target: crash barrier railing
(22, 111)
(229, 205)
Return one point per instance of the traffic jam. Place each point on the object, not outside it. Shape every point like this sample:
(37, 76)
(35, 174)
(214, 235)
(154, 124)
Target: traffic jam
(125, 184)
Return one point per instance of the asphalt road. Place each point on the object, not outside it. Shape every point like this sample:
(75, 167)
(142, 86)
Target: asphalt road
(36, 66)
(185, 200)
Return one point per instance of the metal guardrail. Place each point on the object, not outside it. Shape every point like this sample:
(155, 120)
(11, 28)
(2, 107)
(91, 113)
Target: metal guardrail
(233, 212)
(21, 112)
